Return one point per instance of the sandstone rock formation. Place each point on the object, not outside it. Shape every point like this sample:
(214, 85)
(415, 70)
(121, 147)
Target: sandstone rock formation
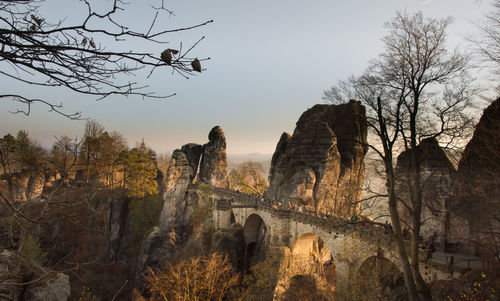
(23, 186)
(193, 155)
(436, 176)
(475, 199)
(213, 166)
(185, 168)
(56, 288)
(179, 176)
(322, 163)
(52, 286)
(191, 164)
(230, 242)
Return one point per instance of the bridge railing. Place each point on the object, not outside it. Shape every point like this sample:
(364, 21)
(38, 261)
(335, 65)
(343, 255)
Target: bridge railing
(366, 231)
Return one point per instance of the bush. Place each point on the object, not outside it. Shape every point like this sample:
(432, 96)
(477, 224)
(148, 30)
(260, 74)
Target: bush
(195, 278)
(32, 251)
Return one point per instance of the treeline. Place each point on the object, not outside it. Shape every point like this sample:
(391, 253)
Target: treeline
(86, 201)
(100, 158)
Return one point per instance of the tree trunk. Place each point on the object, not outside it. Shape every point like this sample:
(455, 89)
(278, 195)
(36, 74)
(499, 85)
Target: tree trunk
(398, 237)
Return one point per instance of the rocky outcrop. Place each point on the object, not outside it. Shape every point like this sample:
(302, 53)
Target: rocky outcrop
(475, 200)
(230, 242)
(156, 250)
(193, 155)
(23, 186)
(117, 226)
(190, 164)
(55, 287)
(213, 167)
(42, 284)
(322, 163)
(184, 168)
(179, 175)
(436, 174)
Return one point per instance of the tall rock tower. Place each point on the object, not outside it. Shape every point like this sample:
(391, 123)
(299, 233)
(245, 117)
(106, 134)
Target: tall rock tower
(322, 163)
(213, 167)
(475, 197)
(436, 174)
(193, 162)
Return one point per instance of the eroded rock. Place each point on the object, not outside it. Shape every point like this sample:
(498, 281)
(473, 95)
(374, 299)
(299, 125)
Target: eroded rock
(213, 166)
(436, 174)
(475, 199)
(322, 163)
(179, 176)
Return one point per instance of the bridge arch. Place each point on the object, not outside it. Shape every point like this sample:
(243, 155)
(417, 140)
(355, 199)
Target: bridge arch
(378, 276)
(310, 270)
(254, 233)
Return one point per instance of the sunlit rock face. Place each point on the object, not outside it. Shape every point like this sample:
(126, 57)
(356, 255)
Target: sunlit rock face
(192, 163)
(179, 176)
(213, 166)
(475, 199)
(436, 174)
(23, 185)
(322, 163)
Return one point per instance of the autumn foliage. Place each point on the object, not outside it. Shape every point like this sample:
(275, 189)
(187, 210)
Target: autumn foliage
(195, 278)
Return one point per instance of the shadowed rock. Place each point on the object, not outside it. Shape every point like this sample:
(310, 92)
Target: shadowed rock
(177, 179)
(436, 174)
(475, 200)
(193, 154)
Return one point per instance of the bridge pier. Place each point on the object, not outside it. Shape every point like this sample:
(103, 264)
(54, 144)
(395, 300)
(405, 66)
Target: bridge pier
(222, 216)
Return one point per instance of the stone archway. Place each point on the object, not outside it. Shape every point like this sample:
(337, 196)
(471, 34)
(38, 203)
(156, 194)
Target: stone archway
(310, 270)
(313, 251)
(254, 233)
(378, 277)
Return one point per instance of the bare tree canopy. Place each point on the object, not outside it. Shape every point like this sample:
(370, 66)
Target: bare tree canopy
(415, 90)
(488, 42)
(85, 54)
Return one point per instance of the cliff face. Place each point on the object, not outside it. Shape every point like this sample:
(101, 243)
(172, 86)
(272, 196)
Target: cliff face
(183, 170)
(179, 176)
(188, 165)
(322, 163)
(213, 166)
(436, 174)
(475, 199)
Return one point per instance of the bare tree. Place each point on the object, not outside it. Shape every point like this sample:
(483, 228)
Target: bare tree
(79, 56)
(64, 155)
(487, 43)
(415, 90)
(249, 178)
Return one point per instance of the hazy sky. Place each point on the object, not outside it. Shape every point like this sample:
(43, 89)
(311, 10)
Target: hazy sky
(270, 61)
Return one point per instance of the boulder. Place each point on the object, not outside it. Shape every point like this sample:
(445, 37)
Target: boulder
(54, 287)
(43, 283)
(213, 166)
(156, 250)
(323, 161)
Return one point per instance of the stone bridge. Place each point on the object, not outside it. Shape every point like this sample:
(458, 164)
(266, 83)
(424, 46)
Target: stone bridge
(314, 243)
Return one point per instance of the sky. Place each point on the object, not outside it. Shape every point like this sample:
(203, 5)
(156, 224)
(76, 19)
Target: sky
(269, 62)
